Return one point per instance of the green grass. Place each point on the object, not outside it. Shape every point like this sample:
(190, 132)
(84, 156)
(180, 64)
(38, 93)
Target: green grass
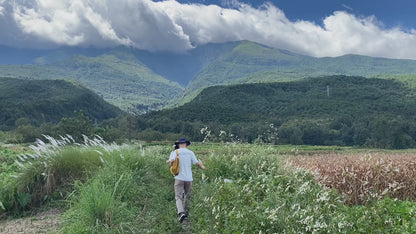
(245, 188)
(131, 193)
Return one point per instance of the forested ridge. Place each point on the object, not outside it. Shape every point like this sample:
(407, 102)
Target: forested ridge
(118, 77)
(140, 81)
(37, 102)
(335, 110)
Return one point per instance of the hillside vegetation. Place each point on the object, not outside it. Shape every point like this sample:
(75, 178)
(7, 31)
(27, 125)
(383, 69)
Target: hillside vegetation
(141, 81)
(34, 102)
(124, 82)
(329, 110)
(249, 62)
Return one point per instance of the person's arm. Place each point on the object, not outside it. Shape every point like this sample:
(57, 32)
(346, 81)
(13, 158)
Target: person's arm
(171, 158)
(170, 162)
(199, 164)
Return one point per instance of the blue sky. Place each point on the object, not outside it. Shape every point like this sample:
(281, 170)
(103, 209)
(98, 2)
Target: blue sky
(320, 28)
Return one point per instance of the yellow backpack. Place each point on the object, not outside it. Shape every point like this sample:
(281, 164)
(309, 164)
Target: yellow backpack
(174, 169)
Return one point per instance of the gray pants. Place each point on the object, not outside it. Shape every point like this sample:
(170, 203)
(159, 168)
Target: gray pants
(182, 192)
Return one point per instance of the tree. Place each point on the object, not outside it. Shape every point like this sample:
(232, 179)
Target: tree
(128, 125)
(28, 133)
(76, 126)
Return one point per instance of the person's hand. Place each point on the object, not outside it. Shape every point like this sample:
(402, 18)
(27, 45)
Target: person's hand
(167, 161)
(200, 165)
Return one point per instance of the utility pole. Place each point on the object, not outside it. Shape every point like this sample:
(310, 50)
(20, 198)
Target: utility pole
(327, 90)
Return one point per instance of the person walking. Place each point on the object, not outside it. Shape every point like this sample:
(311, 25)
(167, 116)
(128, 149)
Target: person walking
(183, 181)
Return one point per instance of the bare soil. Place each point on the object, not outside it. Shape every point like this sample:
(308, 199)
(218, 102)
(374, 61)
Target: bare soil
(44, 222)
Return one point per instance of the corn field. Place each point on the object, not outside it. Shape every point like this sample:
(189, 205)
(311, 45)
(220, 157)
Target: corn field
(363, 177)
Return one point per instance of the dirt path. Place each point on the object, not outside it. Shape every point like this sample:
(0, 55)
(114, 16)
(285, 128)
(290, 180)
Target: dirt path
(44, 222)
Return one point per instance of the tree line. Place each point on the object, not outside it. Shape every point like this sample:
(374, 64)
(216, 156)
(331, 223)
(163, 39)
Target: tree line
(337, 110)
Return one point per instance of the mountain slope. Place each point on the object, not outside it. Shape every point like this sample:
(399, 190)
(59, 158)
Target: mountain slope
(140, 81)
(19, 56)
(43, 101)
(182, 68)
(328, 110)
(323, 97)
(250, 62)
(123, 82)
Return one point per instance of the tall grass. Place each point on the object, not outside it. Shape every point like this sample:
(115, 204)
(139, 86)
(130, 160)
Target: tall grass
(245, 189)
(132, 193)
(49, 172)
(251, 192)
(103, 204)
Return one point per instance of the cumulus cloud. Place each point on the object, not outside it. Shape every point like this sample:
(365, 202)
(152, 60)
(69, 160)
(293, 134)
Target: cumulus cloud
(173, 26)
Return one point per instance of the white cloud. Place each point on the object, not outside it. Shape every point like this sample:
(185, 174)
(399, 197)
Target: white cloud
(2, 9)
(138, 23)
(173, 26)
(347, 7)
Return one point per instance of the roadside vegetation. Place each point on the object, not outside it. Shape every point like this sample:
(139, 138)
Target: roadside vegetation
(109, 188)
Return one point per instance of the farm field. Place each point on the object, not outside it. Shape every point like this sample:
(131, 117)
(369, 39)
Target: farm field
(97, 187)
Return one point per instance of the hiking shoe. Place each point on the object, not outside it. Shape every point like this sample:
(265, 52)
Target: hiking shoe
(182, 217)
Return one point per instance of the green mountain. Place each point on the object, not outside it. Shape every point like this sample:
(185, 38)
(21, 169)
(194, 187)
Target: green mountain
(140, 81)
(182, 68)
(45, 101)
(338, 110)
(249, 62)
(119, 78)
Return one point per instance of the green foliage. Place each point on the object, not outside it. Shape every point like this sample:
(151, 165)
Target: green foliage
(9, 137)
(47, 173)
(76, 126)
(28, 133)
(29, 102)
(249, 191)
(244, 188)
(140, 81)
(8, 167)
(127, 195)
(383, 216)
(123, 82)
(408, 79)
(249, 62)
(336, 110)
(102, 204)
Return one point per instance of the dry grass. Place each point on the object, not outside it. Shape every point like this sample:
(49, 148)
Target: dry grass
(44, 222)
(364, 177)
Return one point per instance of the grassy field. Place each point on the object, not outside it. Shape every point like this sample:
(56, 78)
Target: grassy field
(104, 188)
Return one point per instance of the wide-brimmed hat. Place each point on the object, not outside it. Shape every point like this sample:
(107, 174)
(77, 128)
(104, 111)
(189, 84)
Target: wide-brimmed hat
(182, 140)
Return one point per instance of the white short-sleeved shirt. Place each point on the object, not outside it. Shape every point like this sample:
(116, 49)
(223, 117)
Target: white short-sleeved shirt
(186, 159)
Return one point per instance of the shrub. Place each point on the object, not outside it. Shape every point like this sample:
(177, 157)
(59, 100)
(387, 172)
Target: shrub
(382, 216)
(28, 133)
